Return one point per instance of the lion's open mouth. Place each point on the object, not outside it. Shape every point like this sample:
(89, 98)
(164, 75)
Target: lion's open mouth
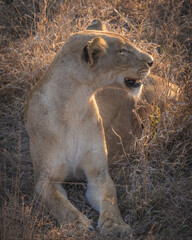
(132, 83)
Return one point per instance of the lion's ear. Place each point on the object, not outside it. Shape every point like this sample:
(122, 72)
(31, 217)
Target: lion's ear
(97, 24)
(94, 50)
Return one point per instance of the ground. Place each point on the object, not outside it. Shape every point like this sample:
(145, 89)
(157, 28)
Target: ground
(154, 179)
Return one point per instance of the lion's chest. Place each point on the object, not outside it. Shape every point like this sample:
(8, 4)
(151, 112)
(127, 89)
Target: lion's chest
(81, 136)
(75, 145)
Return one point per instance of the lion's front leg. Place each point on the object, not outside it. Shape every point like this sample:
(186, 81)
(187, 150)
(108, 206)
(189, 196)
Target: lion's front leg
(101, 193)
(53, 194)
(49, 172)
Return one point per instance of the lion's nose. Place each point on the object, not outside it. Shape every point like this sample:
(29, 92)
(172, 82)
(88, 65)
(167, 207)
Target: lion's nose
(150, 64)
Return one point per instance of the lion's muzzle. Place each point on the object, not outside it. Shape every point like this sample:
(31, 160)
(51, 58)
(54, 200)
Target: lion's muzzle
(132, 83)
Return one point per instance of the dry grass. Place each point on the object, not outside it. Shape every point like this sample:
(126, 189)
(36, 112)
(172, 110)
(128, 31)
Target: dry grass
(155, 186)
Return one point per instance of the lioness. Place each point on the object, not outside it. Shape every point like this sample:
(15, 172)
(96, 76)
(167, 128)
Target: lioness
(65, 127)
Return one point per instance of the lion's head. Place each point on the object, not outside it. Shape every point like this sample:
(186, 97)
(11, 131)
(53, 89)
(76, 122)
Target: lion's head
(106, 58)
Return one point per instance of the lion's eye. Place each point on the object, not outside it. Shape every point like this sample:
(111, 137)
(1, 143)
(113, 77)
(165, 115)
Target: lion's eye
(123, 51)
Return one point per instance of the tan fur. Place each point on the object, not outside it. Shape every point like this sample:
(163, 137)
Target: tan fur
(65, 128)
(124, 117)
(96, 24)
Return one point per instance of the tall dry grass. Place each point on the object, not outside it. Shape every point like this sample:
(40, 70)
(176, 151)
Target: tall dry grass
(155, 186)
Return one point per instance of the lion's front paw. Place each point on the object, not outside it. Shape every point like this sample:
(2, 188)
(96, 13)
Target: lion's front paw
(83, 223)
(115, 227)
(78, 226)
